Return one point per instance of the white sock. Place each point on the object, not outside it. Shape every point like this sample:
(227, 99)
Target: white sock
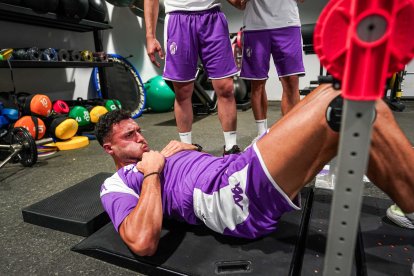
(230, 138)
(261, 126)
(185, 137)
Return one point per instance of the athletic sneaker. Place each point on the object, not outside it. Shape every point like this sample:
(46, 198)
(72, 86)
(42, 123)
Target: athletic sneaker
(397, 216)
(235, 149)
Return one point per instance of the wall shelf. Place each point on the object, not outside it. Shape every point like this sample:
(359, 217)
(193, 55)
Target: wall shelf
(28, 16)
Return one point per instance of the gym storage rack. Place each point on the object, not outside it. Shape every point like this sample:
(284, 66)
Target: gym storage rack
(51, 20)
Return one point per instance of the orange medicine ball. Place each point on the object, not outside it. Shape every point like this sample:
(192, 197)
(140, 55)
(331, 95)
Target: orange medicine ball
(34, 125)
(41, 105)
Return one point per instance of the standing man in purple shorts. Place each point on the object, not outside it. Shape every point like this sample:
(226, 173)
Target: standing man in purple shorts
(241, 195)
(272, 27)
(195, 29)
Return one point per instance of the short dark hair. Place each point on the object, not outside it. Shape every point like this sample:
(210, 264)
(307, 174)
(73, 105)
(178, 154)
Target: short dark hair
(103, 129)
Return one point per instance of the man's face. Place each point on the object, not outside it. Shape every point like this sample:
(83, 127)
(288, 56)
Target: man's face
(127, 143)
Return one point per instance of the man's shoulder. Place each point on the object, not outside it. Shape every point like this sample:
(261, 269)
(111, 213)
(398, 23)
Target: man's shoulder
(117, 183)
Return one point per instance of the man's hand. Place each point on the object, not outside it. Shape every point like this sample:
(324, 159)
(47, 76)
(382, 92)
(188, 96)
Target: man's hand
(175, 146)
(152, 161)
(240, 4)
(153, 48)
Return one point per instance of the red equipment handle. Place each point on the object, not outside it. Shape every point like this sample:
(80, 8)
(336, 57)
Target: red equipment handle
(363, 42)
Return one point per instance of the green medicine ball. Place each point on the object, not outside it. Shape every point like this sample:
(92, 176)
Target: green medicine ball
(113, 105)
(81, 115)
(159, 96)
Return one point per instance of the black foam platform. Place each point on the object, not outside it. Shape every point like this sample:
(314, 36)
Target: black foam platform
(387, 248)
(195, 250)
(382, 248)
(76, 210)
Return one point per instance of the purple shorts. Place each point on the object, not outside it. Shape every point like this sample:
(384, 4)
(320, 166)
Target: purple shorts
(191, 35)
(285, 45)
(244, 201)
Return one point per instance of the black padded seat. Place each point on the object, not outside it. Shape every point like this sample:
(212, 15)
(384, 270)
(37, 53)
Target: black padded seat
(76, 210)
(196, 250)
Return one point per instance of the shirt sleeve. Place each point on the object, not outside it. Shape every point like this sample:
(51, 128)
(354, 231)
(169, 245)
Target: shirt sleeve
(118, 206)
(119, 199)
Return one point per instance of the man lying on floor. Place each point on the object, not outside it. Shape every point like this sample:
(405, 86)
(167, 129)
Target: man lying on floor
(241, 195)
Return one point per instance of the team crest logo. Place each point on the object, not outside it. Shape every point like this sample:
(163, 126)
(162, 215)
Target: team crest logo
(249, 51)
(173, 48)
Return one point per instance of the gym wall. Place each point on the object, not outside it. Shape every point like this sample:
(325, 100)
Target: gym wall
(126, 38)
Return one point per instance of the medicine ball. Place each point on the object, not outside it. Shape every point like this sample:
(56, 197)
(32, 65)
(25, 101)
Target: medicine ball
(74, 8)
(4, 122)
(159, 96)
(81, 115)
(37, 104)
(96, 112)
(113, 105)
(121, 3)
(33, 124)
(12, 114)
(42, 6)
(97, 10)
(60, 107)
(62, 127)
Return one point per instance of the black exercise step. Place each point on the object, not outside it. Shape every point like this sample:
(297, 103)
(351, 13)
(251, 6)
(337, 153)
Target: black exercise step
(196, 250)
(76, 210)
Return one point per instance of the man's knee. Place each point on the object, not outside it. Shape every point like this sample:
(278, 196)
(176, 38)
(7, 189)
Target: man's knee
(224, 88)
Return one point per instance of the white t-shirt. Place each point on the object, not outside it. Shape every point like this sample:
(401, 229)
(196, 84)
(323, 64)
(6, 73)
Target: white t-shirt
(189, 5)
(271, 14)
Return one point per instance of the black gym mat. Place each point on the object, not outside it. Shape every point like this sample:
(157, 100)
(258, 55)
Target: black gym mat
(76, 210)
(387, 248)
(314, 257)
(382, 248)
(195, 250)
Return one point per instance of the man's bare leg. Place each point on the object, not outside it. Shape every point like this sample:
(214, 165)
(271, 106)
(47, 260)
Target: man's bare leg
(307, 143)
(290, 95)
(183, 107)
(227, 110)
(259, 99)
(300, 143)
(391, 162)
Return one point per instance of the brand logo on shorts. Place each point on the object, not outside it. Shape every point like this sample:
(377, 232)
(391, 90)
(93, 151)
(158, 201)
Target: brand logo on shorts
(249, 51)
(237, 195)
(173, 48)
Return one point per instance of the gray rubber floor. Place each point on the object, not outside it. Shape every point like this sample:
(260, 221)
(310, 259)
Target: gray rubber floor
(26, 249)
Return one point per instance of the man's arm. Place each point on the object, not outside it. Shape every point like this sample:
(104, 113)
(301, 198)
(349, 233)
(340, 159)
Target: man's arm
(175, 146)
(151, 8)
(240, 4)
(141, 229)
